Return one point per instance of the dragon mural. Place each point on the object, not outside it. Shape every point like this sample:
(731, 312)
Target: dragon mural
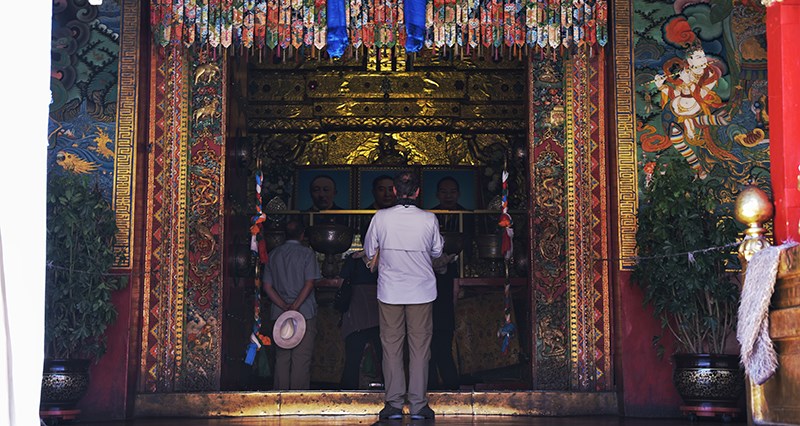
(85, 58)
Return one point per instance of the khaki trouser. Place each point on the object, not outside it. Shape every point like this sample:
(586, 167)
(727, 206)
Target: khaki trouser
(394, 321)
(293, 366)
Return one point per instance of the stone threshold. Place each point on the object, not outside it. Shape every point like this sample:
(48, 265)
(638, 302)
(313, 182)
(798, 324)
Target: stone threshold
(368, 403)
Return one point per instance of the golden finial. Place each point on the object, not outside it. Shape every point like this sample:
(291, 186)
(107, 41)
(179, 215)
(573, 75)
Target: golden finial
(753, 208)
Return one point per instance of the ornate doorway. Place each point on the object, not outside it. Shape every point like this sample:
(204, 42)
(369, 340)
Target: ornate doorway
(197, 180)
(370, 116)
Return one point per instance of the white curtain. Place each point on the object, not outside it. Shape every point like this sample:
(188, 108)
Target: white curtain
(25, 83)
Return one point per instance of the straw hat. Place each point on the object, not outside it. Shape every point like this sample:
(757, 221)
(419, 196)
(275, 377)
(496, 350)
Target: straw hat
(289, 329)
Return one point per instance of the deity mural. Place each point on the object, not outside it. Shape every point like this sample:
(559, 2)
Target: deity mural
(701, 89)
(690, 106)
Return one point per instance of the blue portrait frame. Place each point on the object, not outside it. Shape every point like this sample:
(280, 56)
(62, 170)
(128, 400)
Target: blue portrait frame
(365, 177)
(467, 178)
(341, 176)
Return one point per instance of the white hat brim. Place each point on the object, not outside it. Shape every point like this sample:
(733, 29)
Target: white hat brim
(299, 330)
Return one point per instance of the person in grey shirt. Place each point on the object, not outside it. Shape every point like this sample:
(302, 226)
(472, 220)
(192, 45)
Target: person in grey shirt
(408, 239)
(288, 280)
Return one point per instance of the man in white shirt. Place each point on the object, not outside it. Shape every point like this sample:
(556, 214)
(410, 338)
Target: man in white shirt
(408, 238)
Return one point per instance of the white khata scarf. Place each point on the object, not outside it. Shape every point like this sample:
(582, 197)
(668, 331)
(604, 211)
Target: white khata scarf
(757, 353)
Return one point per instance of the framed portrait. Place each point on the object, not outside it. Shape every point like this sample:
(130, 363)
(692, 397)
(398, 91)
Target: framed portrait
(321, 188)
(449, 189)
(382, 180)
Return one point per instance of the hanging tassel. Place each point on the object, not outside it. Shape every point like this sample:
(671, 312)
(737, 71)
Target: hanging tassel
(337, 28)
(414, 14)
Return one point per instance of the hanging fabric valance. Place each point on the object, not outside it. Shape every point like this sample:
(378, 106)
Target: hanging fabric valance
(336, 24)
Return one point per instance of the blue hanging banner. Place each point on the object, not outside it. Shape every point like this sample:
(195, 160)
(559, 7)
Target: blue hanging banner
(337, 28)
(414, 14)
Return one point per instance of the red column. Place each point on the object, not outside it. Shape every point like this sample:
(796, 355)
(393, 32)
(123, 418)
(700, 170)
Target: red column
(783, 59)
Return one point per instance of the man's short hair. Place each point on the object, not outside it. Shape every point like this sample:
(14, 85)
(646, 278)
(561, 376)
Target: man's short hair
(406, 184)
(445, 179)
(378, 179)
(294, 229)
(311, 185)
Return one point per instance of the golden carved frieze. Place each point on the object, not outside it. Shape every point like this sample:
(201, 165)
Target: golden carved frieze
(372, 147)
(428, 58)
(553, 340)
(280, 110)
(494, 110)
(402, 85)
(386, 122)
(401, 108)
(280, 125)
(457, 150)
(496, 87)
(276, 86)
(489, 125)
(206, 73)
(271, 86)
(265, 125)
(351, 147)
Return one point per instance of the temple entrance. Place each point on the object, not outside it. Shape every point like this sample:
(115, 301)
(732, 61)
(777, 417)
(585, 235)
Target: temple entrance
(356, 120)
(216, 120)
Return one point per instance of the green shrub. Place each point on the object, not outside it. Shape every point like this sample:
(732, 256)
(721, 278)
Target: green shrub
(695, 301)
(80, 253)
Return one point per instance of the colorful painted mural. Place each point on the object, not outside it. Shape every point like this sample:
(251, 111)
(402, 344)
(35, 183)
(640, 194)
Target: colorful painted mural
(701, 89)
(85, 52)
(92, 113)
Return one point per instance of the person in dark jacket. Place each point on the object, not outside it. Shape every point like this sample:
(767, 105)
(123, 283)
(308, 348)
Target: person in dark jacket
(360, 321)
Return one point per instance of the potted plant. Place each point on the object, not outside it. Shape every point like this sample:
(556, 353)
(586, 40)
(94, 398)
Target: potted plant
(684, 247)
(80, 253)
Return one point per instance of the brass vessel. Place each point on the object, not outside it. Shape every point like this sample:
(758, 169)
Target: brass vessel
(490, 246)
(330, 239)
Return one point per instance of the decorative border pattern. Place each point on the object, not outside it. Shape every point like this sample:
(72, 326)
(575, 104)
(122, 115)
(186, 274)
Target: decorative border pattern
(531, 136)
(186, 181)
(627, 170)
(202, 353)
(548, 224)
(572, 220)
(595, 372)
(165, 246)
(589, 320)
(124, 185)
(180, 169)
(147, 375)
(600, 235)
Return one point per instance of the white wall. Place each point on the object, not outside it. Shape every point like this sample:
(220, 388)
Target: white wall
(25, 82)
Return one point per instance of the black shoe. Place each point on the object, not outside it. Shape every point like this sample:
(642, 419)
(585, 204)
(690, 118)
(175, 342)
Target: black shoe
(424, 413)
(389, 412)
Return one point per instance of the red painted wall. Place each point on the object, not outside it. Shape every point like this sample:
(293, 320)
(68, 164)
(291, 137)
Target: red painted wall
(106, 397)
(112, 386)
(645, 381)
